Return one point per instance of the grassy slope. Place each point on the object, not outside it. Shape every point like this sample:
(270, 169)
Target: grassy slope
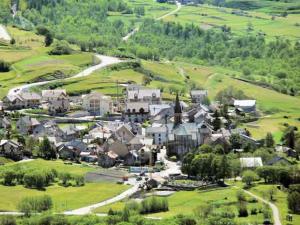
(280, 200)
(63, 198)
(186, 202)
(30, 61)
(207, 16)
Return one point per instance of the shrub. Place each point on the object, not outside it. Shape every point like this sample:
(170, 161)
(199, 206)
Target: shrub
(4, 66)
(61, 48)
(9, 177)
(294, 201)
(35, 179)
(154, 205)
(8, 220)
(242, 209)
(240, 195)
(29, 205)
(254, 211)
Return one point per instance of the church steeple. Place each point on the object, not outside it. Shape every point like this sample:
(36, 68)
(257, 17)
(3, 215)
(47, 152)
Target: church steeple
(177, 112)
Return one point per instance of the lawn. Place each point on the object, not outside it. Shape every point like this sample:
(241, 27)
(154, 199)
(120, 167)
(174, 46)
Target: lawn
(64, 198)
(187, 202)
(58, 165)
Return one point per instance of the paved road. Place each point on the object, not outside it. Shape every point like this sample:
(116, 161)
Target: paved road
(89, 209)
(159, 18)
(4, 34)
(276, 214)
(105, 61)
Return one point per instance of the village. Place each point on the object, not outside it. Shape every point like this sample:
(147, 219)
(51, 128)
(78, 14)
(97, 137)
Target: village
(129, 132)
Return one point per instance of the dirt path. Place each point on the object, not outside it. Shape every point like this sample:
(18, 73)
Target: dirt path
(159, 18)
(275, 211)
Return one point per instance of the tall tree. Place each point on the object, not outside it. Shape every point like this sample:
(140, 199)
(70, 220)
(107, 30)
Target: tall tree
(269, 141)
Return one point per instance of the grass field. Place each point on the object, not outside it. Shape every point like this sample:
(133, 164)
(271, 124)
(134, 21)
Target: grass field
(64, 198)
(30, 61)
(207, 16)
(187, 202)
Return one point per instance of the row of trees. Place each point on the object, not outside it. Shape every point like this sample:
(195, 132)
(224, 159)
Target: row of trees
(39, 179)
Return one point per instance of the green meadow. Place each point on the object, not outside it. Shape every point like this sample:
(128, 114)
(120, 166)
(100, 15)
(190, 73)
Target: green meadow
(64, 198)
(207, 16)
(189, 202)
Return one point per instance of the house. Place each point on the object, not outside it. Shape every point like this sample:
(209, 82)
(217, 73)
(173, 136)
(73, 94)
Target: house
(65, 153)
(139, 141)
(151, 96)
(246, 106)
(5, 122)
(57, 101)
(22, 100)
(136, 112)
(124, 134)
(198, 96)
(119, 148)
(71, 132)
(11, 149)
(251, 162)
(26, 125)
(48, 129)
(159, 133)
(97, 104)
(288, 151)
(107, 159)
(279, 161)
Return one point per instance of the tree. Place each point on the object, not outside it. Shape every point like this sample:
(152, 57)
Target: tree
(248, 177)
(236, 141)
(217, 121)
(4, 66)
(294, 201)
(48, 39)
(46, 150)
(61, 48)
(288, 137)
(269, 141)
(205, 148)
(224, 169)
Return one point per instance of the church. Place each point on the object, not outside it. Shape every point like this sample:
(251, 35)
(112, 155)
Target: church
(185, 136)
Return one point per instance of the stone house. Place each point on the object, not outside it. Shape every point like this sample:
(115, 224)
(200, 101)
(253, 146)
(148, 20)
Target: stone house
(57, 101)
(11, 149)
(22, 100)
(26, 125)
(198, 96)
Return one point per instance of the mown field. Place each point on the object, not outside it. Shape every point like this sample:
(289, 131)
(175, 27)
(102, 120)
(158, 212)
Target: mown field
(64, 198)
(188, 202)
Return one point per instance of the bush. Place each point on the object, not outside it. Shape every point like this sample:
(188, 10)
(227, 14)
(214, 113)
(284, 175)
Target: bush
(8, 220)
(242, 209)
(4, 66)
(61, 48)
(154, 205)
(9, 177)
(254, 211)
(294, 201)
(30, 205)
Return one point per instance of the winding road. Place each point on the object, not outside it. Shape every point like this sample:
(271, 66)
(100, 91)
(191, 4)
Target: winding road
(105, 61)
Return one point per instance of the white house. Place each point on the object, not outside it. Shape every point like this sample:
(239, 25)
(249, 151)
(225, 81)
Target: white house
(136, 111)
(151, 96)
(97, 104)
(245, 105)
(251, 162)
